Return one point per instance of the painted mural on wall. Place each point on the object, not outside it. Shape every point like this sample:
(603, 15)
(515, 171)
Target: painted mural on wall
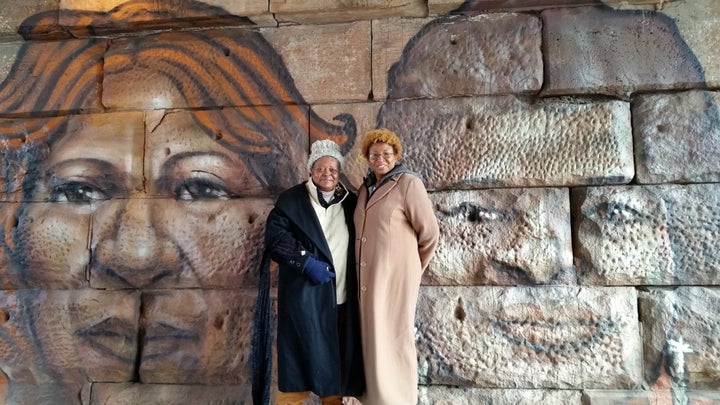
(137, 173)
(437, 63)
(136, 176)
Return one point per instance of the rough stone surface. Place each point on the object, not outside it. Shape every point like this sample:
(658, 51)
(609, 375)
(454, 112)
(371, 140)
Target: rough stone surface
(197, 337)
(677, 137)
(14, 12)
(458, 56)
(390, 36)
(75, 335)
(364, 114)
(331, 11)
(441, 395)
(445, 6)
(8, 50)
(132, 394)
(152, 16)
(608, 397)
(49, 252)
(157, 193)
(236, 7)
(505, 142)
(599, 50)
(532, 337)
(656, 235)
(502, 237)
(681, 330)
(699, 26)
(212, 244)
(49, 65)
(335, 72)
(31, 393)
(144, 60)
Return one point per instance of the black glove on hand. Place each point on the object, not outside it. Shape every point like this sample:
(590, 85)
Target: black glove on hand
(318, 271)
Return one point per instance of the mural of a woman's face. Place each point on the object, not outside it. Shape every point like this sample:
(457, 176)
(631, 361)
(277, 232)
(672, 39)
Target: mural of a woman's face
(143, 181)
(160, 212)
(181, 232)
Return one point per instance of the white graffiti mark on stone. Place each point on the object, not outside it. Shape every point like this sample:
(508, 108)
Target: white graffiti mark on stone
(677, 350)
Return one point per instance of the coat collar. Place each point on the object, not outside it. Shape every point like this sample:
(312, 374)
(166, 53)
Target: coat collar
(339, 194)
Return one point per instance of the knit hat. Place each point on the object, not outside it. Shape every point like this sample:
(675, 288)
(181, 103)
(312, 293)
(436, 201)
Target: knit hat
(325, 147)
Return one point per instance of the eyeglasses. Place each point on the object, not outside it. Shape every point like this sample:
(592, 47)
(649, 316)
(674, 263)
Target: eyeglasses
(386, 156)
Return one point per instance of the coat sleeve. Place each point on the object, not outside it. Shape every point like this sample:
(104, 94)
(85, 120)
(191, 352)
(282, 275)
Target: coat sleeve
(280, 242)
(422, 218)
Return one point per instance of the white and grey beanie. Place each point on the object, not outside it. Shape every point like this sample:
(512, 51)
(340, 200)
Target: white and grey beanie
(325, 147)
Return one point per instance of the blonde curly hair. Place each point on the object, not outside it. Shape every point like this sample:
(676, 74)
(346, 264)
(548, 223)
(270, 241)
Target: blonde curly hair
(382, 135)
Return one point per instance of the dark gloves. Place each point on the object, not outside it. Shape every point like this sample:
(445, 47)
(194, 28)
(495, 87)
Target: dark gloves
(318, 271)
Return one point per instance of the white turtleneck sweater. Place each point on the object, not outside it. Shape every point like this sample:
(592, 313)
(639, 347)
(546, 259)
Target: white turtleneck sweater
(332, 221)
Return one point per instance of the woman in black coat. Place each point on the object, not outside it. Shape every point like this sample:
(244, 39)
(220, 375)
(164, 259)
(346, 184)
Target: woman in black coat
(318, 341)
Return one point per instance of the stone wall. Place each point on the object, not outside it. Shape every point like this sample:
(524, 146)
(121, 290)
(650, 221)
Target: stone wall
(571, 148)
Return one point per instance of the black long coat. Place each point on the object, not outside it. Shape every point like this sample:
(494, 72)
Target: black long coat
(309, 357)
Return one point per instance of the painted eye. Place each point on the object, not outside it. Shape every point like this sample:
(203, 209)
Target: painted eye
(197, 188)
(619, 212)
(476, 213)
(76, 192)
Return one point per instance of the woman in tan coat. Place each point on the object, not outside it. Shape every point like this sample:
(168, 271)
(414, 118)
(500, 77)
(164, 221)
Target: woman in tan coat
(396, 237)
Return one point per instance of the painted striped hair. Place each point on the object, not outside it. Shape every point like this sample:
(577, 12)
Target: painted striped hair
(53, 79)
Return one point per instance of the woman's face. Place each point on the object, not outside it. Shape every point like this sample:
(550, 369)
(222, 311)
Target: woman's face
(149, 211)
(161, 207)
(326, 173)
(382, 159)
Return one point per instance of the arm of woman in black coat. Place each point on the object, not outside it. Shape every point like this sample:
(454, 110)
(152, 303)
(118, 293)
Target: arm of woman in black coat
(281, 242)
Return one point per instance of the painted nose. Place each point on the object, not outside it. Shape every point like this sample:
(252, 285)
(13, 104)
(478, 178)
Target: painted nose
(133, 250)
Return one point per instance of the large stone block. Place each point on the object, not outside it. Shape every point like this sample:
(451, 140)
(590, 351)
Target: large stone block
(74, 158)
(439, 395)
(532, 337)
(329, 63)
(197, 337)
(166, 243)
(650, 235)
(505, 237)
(216, 7)
(14, 13)
(62, 338)
(227, 153)
(459, 56)
(211, 68)
(460, 6)
(46, 394)
(505, 142)
(655, 396)
(132, 394)
(329, 11)
(677, 137)
(8, 52)
(680, 340)
(54, 78)
(600, 50)
(699, 24)
(390, 36)
(364, 114)
(104, 17)
(47, 246)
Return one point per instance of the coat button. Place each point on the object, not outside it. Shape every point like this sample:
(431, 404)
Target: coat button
(364, 239)
(362, 264)
(363, 288)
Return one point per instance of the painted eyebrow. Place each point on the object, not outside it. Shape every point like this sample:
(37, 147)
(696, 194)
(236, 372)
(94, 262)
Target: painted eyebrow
(164, 180)
(112, 181)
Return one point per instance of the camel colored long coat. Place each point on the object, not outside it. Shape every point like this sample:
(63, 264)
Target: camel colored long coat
(397, 233)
